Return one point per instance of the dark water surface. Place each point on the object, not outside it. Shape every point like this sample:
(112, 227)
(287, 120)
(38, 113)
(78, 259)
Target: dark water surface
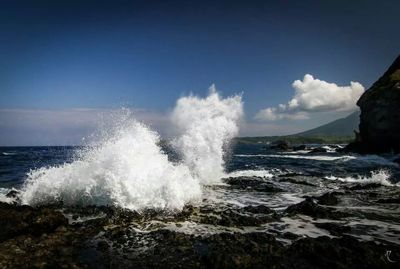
(366, 189)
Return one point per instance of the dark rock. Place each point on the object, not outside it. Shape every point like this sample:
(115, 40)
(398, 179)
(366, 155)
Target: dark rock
(328, 198)
(17, 220)
(260, 209)
(345, 252)
(102, 245)
(281, 145)
(12, 194)
(38, 238)
(333, 228)
(380, 115)
(397, 160)
(368, 186)
(310, 208)
(300, 147)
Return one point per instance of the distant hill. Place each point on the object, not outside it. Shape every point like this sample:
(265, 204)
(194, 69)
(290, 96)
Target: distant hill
(341, 127)
(338, 131)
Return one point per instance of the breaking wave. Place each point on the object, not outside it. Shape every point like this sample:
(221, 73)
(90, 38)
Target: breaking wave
(206, 125)
(127, 168)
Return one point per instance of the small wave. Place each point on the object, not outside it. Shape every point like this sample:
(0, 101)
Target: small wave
(254, 173)
(8, 153)
(371, 159)
(379, 176)
(313, 157)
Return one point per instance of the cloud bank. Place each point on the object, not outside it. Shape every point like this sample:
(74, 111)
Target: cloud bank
(314, 95)
(19, 127)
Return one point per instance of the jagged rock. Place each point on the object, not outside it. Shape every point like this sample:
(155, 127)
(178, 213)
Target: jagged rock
(328, 198)
(310, 208)
(380, 115)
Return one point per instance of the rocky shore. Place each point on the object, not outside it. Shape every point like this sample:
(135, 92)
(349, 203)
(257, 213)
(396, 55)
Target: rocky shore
(55, 236)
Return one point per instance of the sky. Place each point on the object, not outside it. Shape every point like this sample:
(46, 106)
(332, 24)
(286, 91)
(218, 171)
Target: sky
(297, 64)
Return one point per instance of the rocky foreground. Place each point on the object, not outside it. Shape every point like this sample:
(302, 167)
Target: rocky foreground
(108, 237)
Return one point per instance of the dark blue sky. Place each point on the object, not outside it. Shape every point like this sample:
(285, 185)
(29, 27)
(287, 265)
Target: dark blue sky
(146, 54)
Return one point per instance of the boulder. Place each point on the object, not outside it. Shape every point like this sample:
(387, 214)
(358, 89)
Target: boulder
(380, 115)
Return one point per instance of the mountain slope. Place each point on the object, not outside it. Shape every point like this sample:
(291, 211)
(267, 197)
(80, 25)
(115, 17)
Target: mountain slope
(341, 127)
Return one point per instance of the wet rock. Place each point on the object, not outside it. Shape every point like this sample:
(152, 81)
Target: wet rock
(17, 220)
(12, 194)
(310, 208)
(333, 228)
(345, 252)
(368, 186)
(251, 183)
(260, 209)
(300, 147)
(329, 198)
(37, 238)
(251, 250)
(281, 145)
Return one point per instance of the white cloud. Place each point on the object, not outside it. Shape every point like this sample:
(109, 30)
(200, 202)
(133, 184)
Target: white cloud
(314, 95)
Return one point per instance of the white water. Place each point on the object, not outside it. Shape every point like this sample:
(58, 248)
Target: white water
(206, 125)
(254, 173)
(380, 176)
(128, 169)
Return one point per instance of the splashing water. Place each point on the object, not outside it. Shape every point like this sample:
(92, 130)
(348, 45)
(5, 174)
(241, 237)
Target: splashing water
(127, 168)
(206, 126)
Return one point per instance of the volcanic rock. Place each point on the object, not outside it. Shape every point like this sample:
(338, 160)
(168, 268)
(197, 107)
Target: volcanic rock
(380, 115)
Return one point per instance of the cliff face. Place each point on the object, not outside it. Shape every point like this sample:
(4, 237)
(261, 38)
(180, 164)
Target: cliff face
(380, 115)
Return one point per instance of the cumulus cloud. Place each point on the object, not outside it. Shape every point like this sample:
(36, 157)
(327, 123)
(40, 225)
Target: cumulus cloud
(314, 95)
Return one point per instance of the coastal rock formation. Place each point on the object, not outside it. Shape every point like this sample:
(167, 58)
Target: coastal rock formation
(380, 115)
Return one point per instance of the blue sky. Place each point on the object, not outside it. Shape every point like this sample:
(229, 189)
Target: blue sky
(59, 57)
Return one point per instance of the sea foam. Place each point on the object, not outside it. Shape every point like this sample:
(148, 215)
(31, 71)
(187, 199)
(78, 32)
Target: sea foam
(381, 176)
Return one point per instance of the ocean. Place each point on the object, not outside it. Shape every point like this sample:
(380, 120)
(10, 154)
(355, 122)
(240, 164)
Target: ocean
(366, 187)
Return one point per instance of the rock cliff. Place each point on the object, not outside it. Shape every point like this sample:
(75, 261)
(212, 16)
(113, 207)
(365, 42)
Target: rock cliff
(380, 115)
